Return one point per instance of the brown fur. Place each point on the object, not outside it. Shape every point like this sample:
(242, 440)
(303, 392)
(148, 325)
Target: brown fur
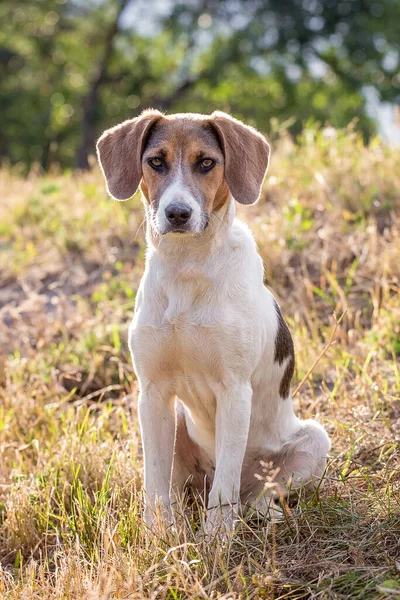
(119, 151)
(246, 157)
(284, 349)
(222, 196)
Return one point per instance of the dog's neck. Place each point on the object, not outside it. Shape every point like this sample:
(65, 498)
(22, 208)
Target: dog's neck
(193, 247)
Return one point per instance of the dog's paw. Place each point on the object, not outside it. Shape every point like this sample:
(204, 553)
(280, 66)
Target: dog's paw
(219, 523)
(158, 515)
(265, 509)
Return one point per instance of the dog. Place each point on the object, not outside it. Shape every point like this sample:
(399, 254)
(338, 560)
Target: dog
(212, 353)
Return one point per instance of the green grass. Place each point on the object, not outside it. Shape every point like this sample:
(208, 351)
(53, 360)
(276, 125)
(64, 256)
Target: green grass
(70, 456)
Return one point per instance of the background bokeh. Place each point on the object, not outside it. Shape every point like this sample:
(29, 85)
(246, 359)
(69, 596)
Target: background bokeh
(71, 68)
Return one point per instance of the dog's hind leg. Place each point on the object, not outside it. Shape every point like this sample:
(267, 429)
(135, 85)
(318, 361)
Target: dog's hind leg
(301, 462)
(189, 465)
(302, 459)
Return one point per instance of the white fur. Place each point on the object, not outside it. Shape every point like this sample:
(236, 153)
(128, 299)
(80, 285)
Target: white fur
(204, 331)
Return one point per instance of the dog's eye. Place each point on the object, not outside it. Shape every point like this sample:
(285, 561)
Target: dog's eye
(155, 162)
(207, 164)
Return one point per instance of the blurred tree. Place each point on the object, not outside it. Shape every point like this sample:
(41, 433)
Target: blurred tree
(91, 100)
(70, 68)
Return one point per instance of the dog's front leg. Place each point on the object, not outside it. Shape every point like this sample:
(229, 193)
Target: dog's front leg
(157, 425)
(232, 429)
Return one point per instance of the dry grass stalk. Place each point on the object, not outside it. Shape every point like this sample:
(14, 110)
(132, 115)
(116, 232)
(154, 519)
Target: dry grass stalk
(330, 343)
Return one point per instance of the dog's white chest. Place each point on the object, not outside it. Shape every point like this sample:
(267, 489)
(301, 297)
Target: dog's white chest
(181, 346)
(193, 338)
(186, 359)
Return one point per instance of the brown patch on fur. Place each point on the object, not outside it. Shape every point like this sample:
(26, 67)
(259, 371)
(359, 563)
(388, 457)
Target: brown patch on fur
(284, 350)
(119, 151)
(222, 196)
(145, 190)
(246, 154)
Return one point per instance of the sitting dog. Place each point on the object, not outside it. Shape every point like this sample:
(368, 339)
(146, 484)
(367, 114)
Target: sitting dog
(213, 355)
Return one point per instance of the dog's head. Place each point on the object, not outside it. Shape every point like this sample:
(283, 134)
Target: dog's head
(187, 165)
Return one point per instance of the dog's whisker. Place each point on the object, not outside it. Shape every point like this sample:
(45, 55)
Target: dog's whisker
(140, 226)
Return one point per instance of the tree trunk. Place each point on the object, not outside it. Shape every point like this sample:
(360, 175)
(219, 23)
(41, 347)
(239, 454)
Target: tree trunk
(90, 101)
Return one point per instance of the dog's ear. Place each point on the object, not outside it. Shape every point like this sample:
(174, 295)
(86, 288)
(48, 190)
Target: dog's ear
(119, 151)
(246, 154)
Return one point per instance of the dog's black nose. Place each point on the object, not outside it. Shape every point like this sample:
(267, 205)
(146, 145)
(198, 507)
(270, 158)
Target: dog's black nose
(178, 213)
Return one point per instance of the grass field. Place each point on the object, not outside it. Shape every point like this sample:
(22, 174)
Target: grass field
(328, 229)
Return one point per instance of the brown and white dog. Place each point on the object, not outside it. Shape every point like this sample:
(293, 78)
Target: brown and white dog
(213, 355)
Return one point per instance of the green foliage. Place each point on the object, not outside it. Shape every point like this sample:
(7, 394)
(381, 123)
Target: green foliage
(69, 69)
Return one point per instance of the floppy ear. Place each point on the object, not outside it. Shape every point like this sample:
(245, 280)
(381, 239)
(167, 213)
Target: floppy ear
(246, 154)
(119, 151)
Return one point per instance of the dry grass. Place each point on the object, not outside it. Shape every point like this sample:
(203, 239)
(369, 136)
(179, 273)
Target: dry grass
(70, 459)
